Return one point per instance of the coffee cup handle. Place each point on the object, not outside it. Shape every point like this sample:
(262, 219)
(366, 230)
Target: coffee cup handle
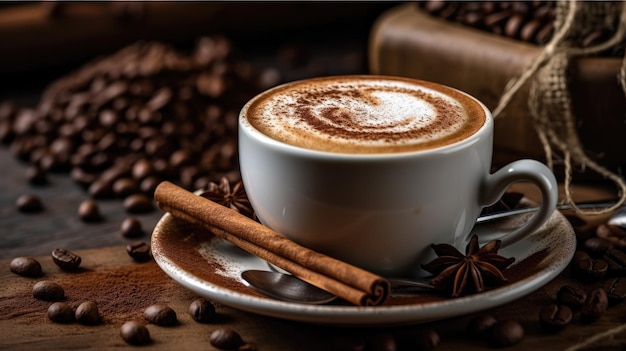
(523, 170)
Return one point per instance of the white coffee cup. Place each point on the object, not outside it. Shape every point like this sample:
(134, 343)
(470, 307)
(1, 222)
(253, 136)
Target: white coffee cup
(377, 197)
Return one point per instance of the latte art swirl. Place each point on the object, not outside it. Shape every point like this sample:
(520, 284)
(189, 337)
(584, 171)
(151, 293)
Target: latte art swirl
(365, 114)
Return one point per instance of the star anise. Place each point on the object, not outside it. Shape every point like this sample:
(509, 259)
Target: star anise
(233, 197)
(459, 274)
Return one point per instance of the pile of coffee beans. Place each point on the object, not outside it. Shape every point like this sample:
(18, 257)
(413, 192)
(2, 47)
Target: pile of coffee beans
(528, 21)
(497, 333)
(147, 113)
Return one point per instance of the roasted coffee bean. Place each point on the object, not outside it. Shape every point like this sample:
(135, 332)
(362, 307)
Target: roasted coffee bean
(125, 186)
(615, 290)
(131, 228)
(36, 175)
(589, 269)
(100, 189)
(612, 233)
(25, 266)
(138, 203)
(202, 310)
(48, 291)
(66, 260)
(480, 326)
(149, 184)
(139, 251)
(506, 333)
(571, 296)
(426, 339)
(87, 313)
(61, 312)
(142, 169)
(555, 317)
(595, 306)
(226, 339)
(88, 211)
(597, 247)
(135, 333)
(29, 203)
(160, 315)
(616, 260)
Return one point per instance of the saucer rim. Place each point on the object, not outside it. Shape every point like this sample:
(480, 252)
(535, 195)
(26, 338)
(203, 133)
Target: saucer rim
(375, 315)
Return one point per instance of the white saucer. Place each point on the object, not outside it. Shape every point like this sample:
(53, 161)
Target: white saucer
(211, 267)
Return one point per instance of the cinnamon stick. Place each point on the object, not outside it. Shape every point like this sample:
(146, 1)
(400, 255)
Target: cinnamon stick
(351, 283)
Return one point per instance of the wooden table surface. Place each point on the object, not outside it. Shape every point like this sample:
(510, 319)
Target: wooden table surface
(104, 257)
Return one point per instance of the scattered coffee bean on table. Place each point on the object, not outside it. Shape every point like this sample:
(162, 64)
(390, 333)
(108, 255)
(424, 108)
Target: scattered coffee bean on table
(36, 175)
(506, 333)
(25, 266)
(87, 313)
(135, 333)
(615, 290)
(48, 291)
(160, 314)
(139, 251)
(131, 228)
(555, 317)
(66, 260)
(479, 326)
(29, 203)
(226, 339)
(571, 296)
(61, 312)
(88, 211)
(138, 203)
(202, 310)
(595, 306)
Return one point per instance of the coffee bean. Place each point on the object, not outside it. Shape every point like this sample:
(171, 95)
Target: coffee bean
(138, 203)
(88, 211)
(571, 296)
(135, 333)
(480, 326)
(142, 169)
(139, 251)
(226, 339)
(506, 333)
(25, 266)
(48, 291)
(87, 313)
(426, 340)
(595, 306)
(100, 189)
(616, 260)
(29, 203)
(589, 269)
(131, 228)
(66, 260)
(202, 311)
(555, 317)
(160, 315)
(615, 290)
(149, 184)
(61, 312)
(36, 175)
(597, 247)
(125, 186)
(615, 234)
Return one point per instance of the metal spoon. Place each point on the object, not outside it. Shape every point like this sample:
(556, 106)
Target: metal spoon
(289, 288)
(619, 218)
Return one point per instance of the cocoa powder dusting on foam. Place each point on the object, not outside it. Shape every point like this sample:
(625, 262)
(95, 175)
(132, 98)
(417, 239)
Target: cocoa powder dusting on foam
(338, 115)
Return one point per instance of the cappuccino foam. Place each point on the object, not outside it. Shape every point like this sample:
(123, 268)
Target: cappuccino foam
(365, 114)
